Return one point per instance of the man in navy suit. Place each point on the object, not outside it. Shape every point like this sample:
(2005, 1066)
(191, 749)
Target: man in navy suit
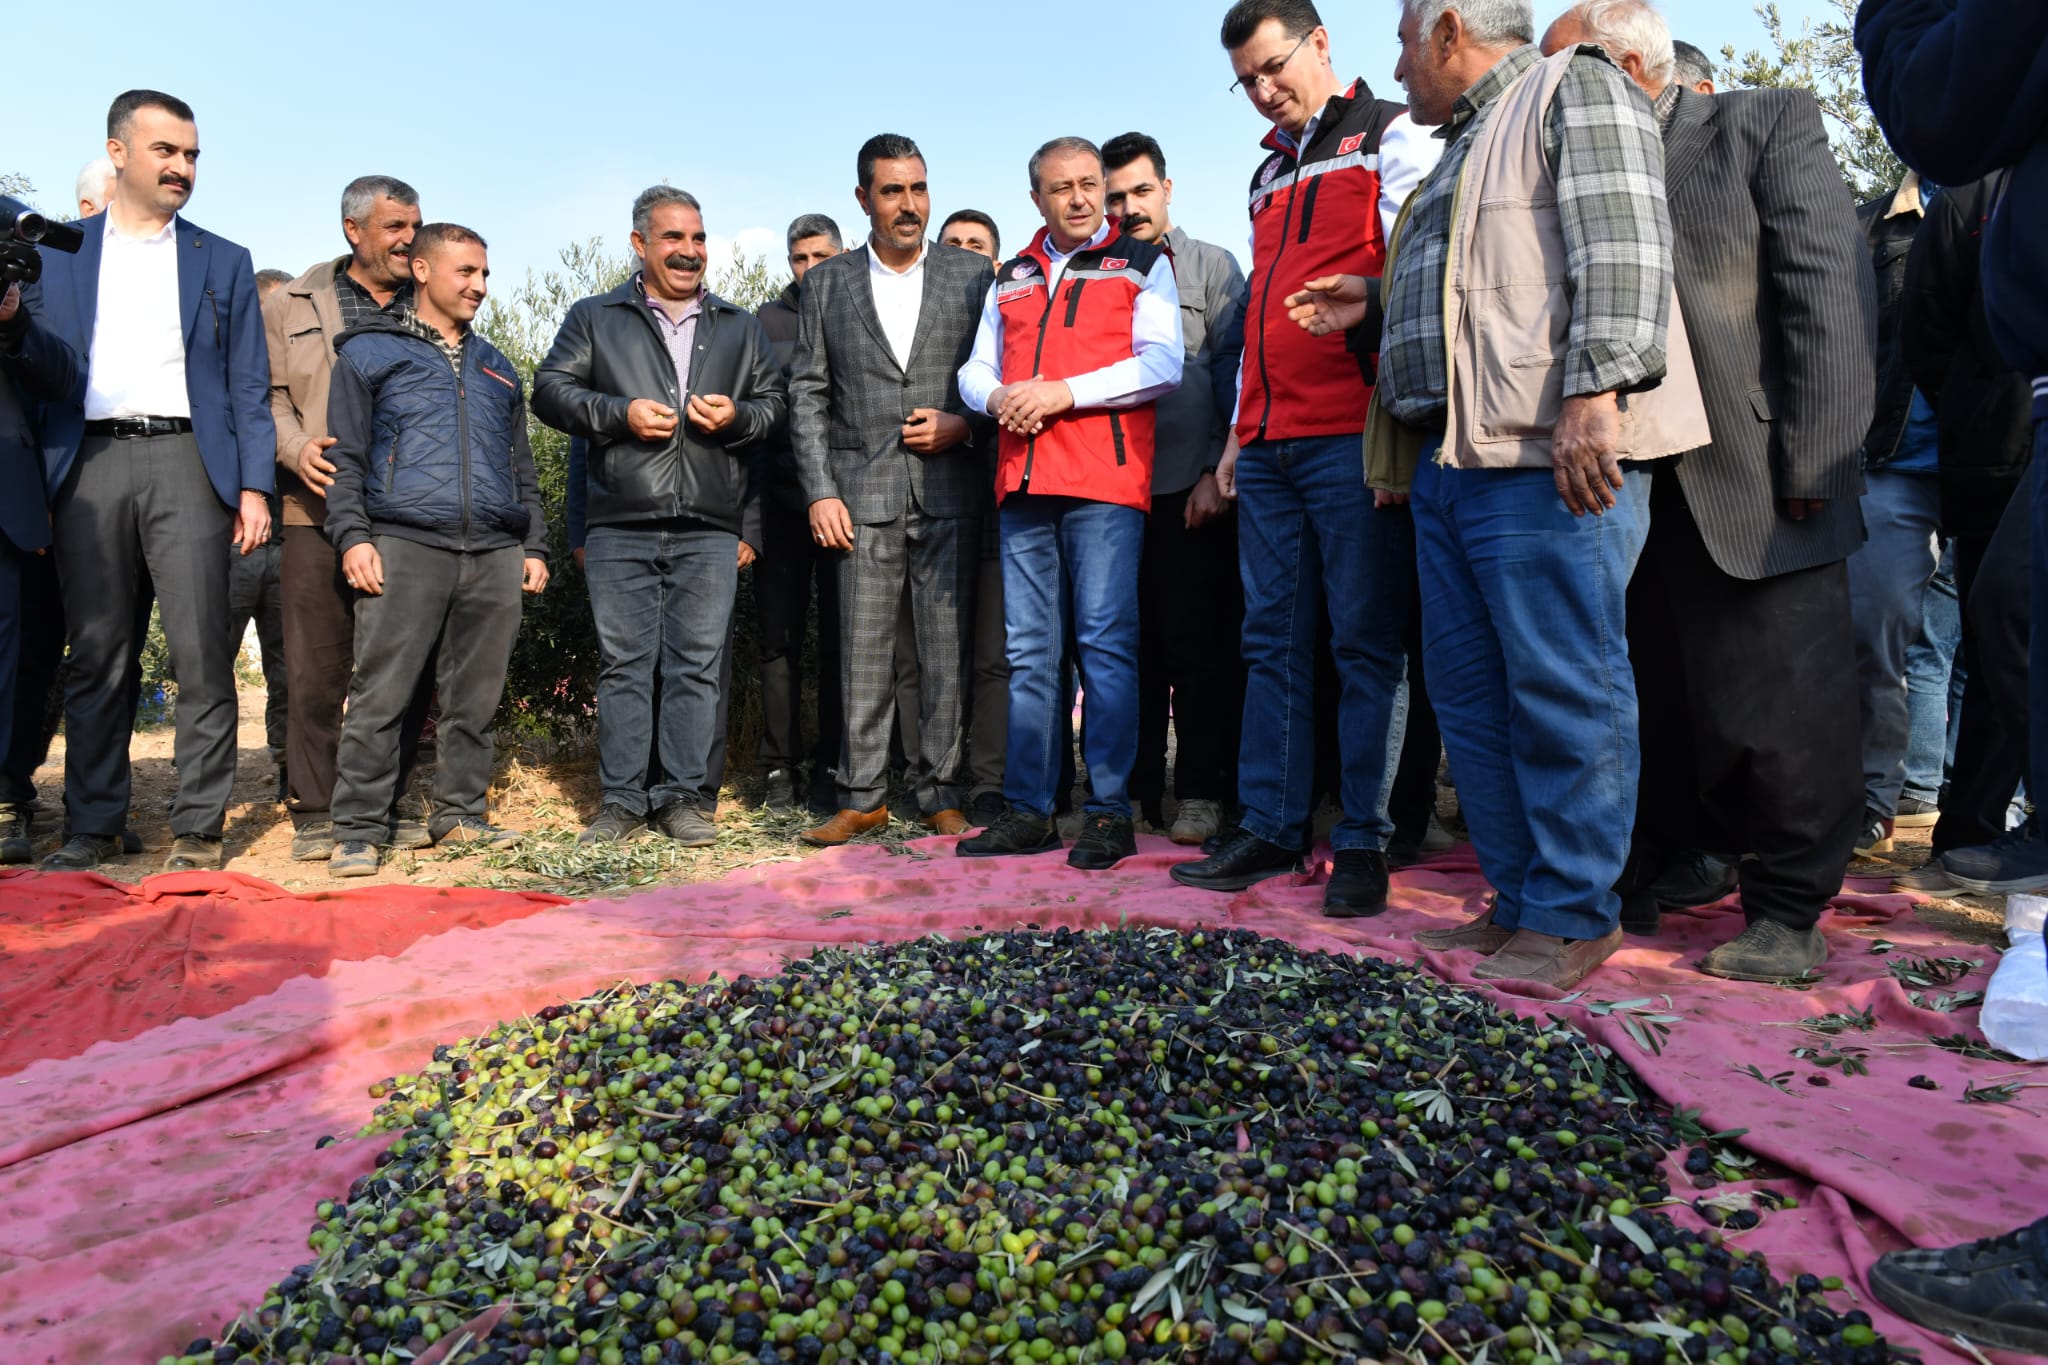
(170, 452)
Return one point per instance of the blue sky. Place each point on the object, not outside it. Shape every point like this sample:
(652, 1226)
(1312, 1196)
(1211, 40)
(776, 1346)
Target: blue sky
(536, 124)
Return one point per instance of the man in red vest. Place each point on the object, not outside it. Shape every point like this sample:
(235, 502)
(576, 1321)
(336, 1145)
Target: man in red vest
(1080, 335)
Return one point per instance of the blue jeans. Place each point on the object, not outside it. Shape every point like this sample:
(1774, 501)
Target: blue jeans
(1934, 684)
(663, 602)
(1308, 535)
(1888, 580)
(1071, 564)
(1524, 630)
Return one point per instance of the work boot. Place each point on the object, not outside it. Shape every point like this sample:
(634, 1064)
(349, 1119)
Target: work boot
(1196, 821)
(353, 858)
(1547, 960)
(1245, 861)
(17, 835)
(846, 826)
(779, 794)
(1105, 841)
(313, 842)
(194, 853)
(1481, 935)
(1994, 1291)
(1358, 884)
(1014, 833)
(614, 825)
(685, 824)
(1767, 951)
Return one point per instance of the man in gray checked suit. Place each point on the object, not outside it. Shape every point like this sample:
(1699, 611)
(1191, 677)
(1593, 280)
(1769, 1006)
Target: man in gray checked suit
(885, 449)
(1738, 617)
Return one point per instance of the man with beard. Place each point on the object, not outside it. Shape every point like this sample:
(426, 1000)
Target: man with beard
(301, 322)
(670, 385)
(171, 453)
(884, 447)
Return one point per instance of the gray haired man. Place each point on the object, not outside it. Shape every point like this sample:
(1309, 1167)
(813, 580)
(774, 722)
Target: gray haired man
(671, 386)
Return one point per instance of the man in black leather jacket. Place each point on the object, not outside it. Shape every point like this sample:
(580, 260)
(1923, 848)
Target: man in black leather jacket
(670, 385)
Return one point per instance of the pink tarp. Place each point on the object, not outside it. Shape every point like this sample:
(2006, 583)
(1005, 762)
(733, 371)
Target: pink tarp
(152, 1187)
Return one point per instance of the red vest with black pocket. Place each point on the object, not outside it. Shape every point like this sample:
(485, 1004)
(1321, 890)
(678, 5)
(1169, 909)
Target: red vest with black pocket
(1101, 454)
(1313, 215)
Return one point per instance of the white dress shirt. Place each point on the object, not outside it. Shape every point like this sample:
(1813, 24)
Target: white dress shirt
(137, 366)
(899, 294)
(1157, 350)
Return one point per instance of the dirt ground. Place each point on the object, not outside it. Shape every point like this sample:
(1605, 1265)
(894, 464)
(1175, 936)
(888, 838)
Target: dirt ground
(550, 797)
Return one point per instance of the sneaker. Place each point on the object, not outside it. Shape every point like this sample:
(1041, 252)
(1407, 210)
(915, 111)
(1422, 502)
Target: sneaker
(985, 809)
(1913, 813)
(1105, 841)
(83, 852)
(2014, 862)
(1014, 833)
(17, 835)
(684, 823)
(1695, 878)
(1358, 884)
(614, 825)
(1995, 1292)
(1931, 880)
(1214, 844)
(1245, 861)
(194, 853)
(780, 793)
(474, 829)
(353, 858)
(313, 842)
(1876, 836)
(409, 822)
(1197, 821)
(1767, 951)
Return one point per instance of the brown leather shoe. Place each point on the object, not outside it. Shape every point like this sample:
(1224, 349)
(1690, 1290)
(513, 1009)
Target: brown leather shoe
(947, 822)
(1547, 960)
(848, 824)
(1480, 934)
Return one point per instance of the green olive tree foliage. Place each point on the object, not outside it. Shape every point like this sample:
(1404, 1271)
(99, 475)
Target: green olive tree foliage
(1822, 59)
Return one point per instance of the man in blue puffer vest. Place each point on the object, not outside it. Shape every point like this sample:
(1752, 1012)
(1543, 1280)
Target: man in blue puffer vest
(436, 510)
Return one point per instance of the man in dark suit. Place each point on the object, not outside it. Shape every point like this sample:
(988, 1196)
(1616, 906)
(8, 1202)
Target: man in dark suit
(1738, 617)
(170, 452)
(885, 450)
(35, 367)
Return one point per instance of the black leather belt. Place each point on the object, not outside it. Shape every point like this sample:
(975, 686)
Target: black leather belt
(131, 428)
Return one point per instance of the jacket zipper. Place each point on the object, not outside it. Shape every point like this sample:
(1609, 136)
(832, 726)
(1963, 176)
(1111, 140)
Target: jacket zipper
(1074, 300)
(1308, 207)
(1052, 296)
(676, 398)
(462, 434)
(1266, 294)
(391, 464)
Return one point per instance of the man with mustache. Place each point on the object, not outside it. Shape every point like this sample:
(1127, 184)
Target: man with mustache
(435, 508)
(301, 322)
(671, 386)
(171, 453)
(884, 446)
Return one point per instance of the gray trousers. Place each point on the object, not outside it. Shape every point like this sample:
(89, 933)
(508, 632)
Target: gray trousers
(937, 557)
(133, 514)
(254, 593)
(468, 604)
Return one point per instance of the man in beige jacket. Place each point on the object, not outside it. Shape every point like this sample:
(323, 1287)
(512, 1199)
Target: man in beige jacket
(301, 321)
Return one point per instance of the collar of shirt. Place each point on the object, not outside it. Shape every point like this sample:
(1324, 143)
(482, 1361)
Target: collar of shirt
(1056, 256)
(696, 305)
(1174, 242)
(1666, 103)
(1489, 88)
(876, 267)
(1910, 198)
(157, 238)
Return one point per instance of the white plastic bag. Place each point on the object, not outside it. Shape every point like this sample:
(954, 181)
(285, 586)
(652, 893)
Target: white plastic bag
(2015, 1014)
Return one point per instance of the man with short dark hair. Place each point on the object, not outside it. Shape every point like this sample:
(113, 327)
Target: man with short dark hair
(791, 561)
(1694, 69)
(1079, 338)
(1191, 597)
(973, 230)
(301, 323)
(670, 385)
(169, 455)
(435, 508)
(884, 446)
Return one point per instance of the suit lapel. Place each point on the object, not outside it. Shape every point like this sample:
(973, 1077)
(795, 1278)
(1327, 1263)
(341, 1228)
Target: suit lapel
(85, 277)
(864, 304)
(929, 304)
(1695, 123)
(191, 276)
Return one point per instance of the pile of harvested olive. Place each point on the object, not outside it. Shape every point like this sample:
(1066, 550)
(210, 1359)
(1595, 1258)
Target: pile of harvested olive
(1029, 1147)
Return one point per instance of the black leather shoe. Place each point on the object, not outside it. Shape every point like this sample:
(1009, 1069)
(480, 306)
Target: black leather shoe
(1013, 833)
(1245, 861)
(17, 833)
(985, 809)
(1695, 878)
(1358, 884)
(614, 825)
(779, 792)
(82, 852)
(1104, 841)
(193, 853)
(1220, 840)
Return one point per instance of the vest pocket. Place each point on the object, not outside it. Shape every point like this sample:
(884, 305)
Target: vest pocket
(1308, 208)
(1517, 373)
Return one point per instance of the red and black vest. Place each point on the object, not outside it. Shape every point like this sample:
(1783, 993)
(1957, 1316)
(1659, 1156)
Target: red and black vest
(1315, 215)
(1104, 455)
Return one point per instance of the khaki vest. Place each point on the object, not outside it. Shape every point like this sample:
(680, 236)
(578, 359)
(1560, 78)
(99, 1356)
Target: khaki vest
(1507, 309)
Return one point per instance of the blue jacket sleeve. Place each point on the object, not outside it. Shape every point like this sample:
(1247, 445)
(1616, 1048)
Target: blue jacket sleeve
(1959, 86)
(249, 383)
(579, 489)
(349, 422)
(37, 359)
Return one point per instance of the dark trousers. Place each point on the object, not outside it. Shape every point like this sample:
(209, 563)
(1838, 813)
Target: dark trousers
(13, 573)
(1991, 742)
(469, 603)
(936, 557)
(1751, 735)
(662, 597)
(988, 708)
(255, 593)
(36, 705)
(319, 621)
(1190, 660)
(1411, 804)
(136, 513)
(791, 563)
